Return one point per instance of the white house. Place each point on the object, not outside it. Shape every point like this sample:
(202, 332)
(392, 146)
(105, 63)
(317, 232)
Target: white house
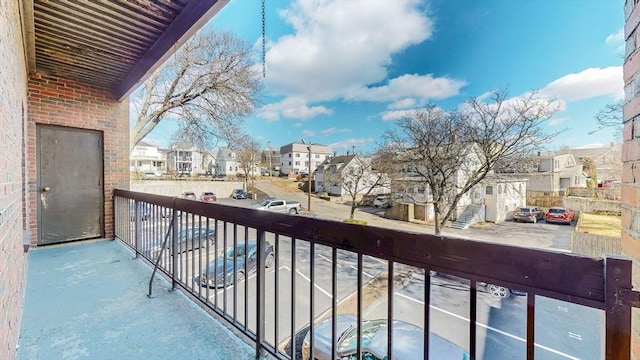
(331, 175)
(228, 164)
(555, 174)
(294, 157)
(492, 199)
(185, 158)
(146, 158)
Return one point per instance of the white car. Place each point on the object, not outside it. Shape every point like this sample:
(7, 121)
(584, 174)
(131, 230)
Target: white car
(382, 201)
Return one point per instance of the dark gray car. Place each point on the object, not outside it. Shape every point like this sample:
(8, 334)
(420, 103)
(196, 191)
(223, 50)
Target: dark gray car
(374, 341)
(221, 270)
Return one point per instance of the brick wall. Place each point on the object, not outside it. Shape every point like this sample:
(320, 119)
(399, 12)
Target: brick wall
(13, 96)
(58, 101)
(631, 158)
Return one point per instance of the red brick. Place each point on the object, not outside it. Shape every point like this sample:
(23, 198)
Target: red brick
(631, 150)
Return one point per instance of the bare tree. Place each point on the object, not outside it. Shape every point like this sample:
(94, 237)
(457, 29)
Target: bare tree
(359, 176)
(248, 156)
(207, 87)
(610, 118)
(452, 151)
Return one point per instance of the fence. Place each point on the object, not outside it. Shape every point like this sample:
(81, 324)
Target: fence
(286, 282)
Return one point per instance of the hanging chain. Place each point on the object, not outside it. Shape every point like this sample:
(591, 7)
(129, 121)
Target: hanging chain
(264, 51)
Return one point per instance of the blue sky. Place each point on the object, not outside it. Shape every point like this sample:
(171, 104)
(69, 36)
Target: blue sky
(340, 72)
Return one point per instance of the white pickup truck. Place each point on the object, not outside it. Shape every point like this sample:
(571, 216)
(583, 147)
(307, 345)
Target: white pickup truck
(279, 205)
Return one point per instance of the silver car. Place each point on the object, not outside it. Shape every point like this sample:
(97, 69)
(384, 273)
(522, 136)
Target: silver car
(374, 341)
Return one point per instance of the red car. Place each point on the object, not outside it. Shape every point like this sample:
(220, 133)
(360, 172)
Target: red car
(208, 196)
(559, 215)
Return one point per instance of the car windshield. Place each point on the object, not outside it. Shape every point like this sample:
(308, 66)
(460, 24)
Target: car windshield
(526, 210)
(369, 330)
(557, 211)
(208, 193)
(265, 202)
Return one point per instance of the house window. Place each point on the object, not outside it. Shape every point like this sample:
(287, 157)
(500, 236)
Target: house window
(297, 154)
(297, 162)
(289, 156)
(499, 189)
(317, 156)
(289, 163)
(489, 190)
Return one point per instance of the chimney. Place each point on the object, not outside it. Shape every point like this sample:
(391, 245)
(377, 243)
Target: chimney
(335, 154)
(347, 152)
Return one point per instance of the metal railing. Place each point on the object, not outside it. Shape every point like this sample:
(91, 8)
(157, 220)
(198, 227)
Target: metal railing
(291, 281)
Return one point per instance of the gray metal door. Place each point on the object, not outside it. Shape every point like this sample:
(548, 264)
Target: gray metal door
(70, 184)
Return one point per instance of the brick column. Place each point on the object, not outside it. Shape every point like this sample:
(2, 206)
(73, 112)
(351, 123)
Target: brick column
(631, 158)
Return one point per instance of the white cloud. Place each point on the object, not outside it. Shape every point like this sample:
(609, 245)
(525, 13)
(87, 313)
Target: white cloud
(409, 85)
(334, 55)
(589, 83)
(331, 131)
(402, 104)
(292, 108)
(350, 143)
(396, 114)
(308, 133)
(616, 37)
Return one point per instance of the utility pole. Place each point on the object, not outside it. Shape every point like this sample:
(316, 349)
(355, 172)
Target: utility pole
(269, 150)
(309, 181)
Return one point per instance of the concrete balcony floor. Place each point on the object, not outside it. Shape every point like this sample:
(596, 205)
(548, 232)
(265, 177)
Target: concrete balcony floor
(89, 301)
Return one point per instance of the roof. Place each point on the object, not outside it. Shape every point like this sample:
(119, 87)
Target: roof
(339, 161)
(109, 44)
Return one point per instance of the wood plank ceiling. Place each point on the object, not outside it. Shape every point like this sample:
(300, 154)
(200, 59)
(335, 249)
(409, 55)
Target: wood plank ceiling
(113, 44)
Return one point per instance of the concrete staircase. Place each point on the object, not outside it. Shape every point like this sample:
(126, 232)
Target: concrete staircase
(469, 216)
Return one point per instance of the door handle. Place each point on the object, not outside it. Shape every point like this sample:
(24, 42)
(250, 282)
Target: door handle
(45, 189)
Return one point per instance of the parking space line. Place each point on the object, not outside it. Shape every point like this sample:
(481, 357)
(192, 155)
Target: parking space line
(515, 337)
(316, 285)
(329, 260)
(364, 272)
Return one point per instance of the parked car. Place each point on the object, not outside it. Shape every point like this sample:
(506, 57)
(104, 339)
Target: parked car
(208, 196)
(150, 175)
(559, 215)
(239, 194)
(189, 195)
(382, 201)
(225, 275)
(528, 213)
(279, 205)
(503, 292)
(190, 238)
(374, 341)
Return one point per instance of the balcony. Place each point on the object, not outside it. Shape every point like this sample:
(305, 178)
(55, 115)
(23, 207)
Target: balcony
(305, 282)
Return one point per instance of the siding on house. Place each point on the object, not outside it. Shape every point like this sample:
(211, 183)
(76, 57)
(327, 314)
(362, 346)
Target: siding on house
(295, 157)
(14, 213)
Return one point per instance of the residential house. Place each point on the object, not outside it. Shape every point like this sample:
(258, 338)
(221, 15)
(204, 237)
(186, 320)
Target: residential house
(331, 174)
(295, 157)
(147, 158)
(185, 159)
(554, 174)
(228, 164)
(271, 159)
(608, 160)
(492, 199)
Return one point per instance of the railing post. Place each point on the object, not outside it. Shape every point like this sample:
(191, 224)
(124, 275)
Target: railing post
(174, 249)
(138, 225)
(260, 284)
(617, 311)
